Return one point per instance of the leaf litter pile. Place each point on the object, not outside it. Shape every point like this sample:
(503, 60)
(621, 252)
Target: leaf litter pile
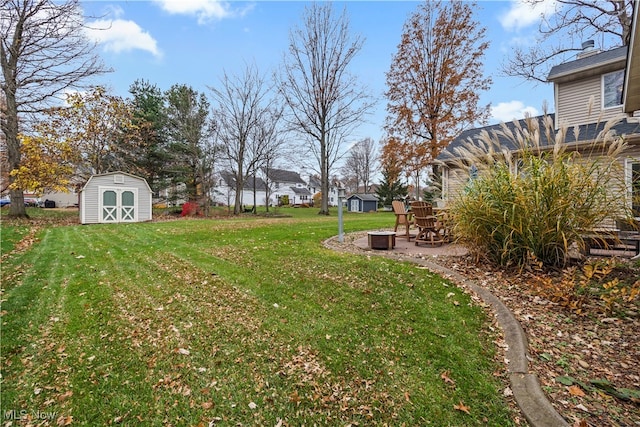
(587, 356)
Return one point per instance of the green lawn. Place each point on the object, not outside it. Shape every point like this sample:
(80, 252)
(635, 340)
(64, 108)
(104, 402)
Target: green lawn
(239, 321)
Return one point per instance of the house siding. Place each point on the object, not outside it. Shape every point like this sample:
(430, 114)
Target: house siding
(573, 104)
(90, 196)
(455, 182)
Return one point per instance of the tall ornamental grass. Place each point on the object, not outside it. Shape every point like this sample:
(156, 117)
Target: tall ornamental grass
(535, 203)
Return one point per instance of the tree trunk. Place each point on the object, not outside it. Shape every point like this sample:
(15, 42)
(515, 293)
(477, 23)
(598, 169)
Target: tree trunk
(17, 208)
(324, 176)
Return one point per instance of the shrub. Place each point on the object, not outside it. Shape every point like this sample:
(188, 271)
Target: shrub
(536, 202)
(190, 209)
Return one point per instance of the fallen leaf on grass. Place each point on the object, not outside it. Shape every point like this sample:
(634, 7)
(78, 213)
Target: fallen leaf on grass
(207, 405)
(294, 397)
(183, 351)
(461, 407)
(64, 396)
(574, 390)
(64, 421)
(447, 379)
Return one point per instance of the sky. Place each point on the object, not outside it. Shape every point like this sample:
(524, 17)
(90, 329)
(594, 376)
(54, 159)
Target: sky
(194, 42)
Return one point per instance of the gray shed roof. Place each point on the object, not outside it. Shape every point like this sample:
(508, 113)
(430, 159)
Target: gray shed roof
(586, 133)
(365, 197)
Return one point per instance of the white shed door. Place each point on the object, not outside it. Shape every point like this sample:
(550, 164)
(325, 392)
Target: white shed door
(354, 205)
(118, 204)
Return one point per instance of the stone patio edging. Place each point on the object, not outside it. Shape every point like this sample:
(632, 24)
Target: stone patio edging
(529, 396)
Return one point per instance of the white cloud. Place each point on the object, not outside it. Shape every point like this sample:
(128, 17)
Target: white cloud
(522, 15)
(205, 10)
(119, 35)
(507, 111)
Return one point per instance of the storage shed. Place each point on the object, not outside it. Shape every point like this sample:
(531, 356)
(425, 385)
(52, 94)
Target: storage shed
(115, 197)
(362, 203)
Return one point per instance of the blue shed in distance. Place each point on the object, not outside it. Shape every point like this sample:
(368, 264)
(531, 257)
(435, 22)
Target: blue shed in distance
(362, 203)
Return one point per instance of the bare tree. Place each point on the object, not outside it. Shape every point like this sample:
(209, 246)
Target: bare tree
(359, 165)
(43, 52)
(325, 101)
(242, 106)
(563, 32)
(270, 141)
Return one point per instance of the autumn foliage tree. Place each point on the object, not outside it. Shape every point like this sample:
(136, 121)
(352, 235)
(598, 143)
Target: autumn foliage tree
(43, 52)
(98, 125)
(46, 164)
(435, 81)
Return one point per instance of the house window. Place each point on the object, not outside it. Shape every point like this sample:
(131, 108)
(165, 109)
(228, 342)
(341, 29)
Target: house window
(635, 188)
(612, 89)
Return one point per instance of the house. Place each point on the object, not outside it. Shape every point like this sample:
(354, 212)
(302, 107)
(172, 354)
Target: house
(589, 90)
(224, 190)
(362, 203)
(115, 197)
(288, 183)
(275, 184)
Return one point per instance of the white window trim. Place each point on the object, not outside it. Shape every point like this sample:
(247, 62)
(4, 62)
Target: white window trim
(602, 91)
(628, 180)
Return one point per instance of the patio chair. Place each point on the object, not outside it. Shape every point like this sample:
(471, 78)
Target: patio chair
(403, 218)
(445, 225)
(427, 223)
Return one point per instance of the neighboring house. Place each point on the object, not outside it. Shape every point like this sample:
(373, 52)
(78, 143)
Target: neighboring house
(313, 184)
(62, 200)
(370, 189)
(115, 197)
(224, 190)
(588, 91)
(173, 195)
(279, 182)
(283, 182)
(362, 203)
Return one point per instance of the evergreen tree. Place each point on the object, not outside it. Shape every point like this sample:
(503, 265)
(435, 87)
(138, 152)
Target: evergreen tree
(390, 189)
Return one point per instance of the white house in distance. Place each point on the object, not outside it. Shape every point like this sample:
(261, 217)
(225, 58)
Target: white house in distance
(278, 182)
(115, 197)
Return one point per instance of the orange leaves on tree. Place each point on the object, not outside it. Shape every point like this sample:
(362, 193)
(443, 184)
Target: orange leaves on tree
(435, 80)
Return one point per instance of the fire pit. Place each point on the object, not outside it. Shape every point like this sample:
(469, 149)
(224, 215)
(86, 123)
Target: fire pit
(382, 239)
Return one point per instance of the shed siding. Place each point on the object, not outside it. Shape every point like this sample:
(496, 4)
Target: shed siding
(573, 103)
(90, 198)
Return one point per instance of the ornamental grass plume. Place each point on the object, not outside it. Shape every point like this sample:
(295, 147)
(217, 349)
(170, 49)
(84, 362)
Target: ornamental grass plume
(534, 191)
